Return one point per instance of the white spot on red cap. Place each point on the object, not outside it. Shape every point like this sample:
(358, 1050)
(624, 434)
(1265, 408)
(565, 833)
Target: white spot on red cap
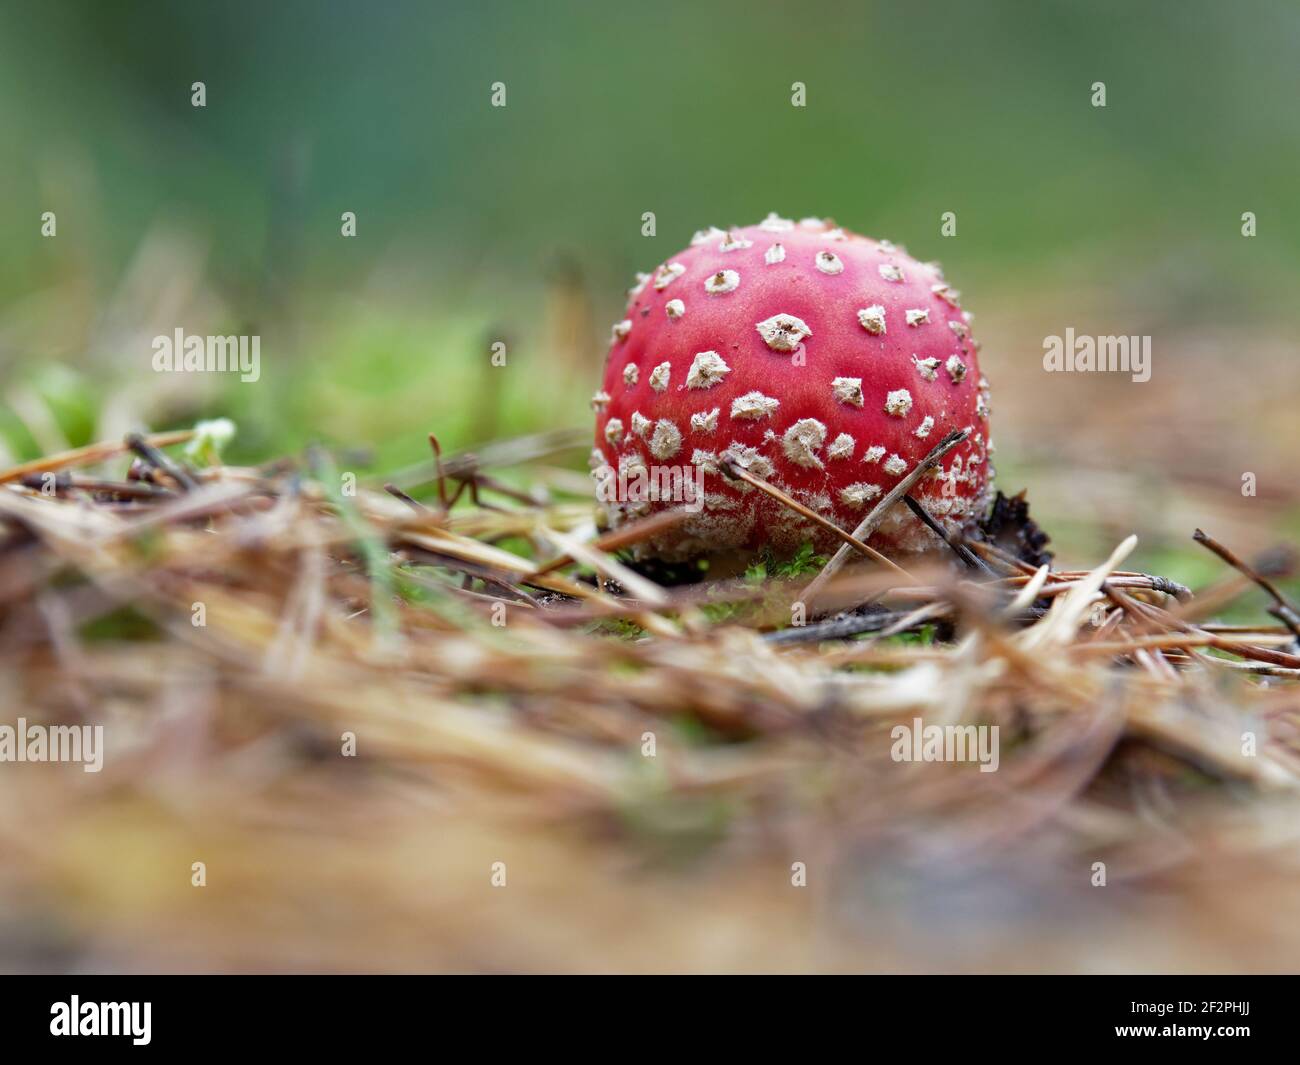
(630, 374)
(960, 329)
(732, 242)
(703, 236)
(841, 447)
(848, 390)
(775, 254)
(956, 369)
(874, 453)
(923, 430)
(640, 424)
(898, 402)
(667, 274)
(747, 458)
(890, 272)
(836, 234)
(773, 223)
(667, 440)
(620, 330)
(858, 495)
(887, 245)
(917, 316)
(705, 421)
(705, 460)
(895, 466)
(600, 401)
(927, 368)
(812, 223)
(722, 281)
(814, 500)
(753, 405)
(674, 308)
(802, 441)
(949, 295)
(872, 319)
(707, 370)
(829, 263)
(659, 376)
(614, 430)
(783, 332)
(639, 287)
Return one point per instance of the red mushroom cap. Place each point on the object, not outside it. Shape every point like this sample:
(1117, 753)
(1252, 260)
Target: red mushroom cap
(824, 362)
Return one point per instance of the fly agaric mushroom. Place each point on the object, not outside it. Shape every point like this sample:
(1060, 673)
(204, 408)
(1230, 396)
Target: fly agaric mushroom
(823, 362)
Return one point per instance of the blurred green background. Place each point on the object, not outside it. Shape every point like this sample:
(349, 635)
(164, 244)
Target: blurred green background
(523, 223)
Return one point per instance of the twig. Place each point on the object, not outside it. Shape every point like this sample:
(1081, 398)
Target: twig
(1188, 639)
(491, 483)
(868, 524)
(414, 504)
(840, 628)
(158, 460)
(737, 473)
(89, 455)
(493, 455)
(1282, 610)
(438, 476)
(994, 554)
(621, 537)
(636, 586)
(964, 553)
